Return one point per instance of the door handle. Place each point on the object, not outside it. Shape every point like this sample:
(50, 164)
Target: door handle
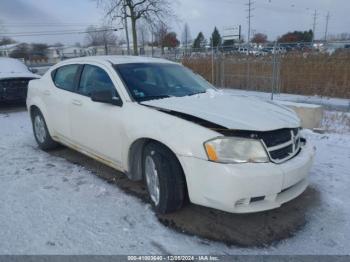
(77, 102)
(46, 92)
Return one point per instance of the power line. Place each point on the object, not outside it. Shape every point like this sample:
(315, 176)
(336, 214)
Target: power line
(67, 32)
(48, 25)
(60, 31)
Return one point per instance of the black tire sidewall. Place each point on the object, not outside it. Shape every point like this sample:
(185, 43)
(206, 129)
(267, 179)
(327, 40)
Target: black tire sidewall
(170, 175)
(48, 143)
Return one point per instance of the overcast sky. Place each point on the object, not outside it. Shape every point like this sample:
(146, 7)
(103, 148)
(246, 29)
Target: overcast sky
(272, 17)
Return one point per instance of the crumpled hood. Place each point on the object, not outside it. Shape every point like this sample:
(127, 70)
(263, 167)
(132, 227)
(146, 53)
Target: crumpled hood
(231, 111)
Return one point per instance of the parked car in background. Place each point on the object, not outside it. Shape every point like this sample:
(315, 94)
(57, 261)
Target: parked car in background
(156, 120)
(243, 50)
(14, 78)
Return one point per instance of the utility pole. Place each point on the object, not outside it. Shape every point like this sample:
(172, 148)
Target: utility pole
(326, 30)
(152, 35)
(315, 15)
(126, 27)
(249, 10)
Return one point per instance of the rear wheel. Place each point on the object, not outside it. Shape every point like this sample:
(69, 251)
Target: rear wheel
(41, 133)
(164, 178)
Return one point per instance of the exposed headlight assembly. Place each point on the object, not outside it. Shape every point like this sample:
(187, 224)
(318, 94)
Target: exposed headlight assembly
(235, 150)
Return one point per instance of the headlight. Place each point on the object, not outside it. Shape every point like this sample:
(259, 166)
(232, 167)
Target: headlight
(235, 150)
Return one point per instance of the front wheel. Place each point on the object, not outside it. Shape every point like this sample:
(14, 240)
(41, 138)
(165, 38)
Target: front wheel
(164, 178)
(41, 133)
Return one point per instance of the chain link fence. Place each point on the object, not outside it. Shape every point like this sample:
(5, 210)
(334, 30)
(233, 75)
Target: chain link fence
(321, 69)
(301, 68)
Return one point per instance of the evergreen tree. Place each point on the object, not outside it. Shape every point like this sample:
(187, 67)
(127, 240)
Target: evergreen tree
(215, 39)
(200, 41)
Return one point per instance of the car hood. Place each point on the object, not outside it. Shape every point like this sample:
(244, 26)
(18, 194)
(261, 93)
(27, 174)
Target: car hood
(13, 68)
(231, 111)
(13, 75)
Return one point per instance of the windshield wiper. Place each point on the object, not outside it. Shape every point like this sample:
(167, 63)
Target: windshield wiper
(197, 93)
(141, 99)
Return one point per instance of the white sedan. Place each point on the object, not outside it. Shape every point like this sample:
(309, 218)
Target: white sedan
(158, 121)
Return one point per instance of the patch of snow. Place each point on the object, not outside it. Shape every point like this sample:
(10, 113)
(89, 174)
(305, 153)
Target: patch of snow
(51, 206)
(295, 104)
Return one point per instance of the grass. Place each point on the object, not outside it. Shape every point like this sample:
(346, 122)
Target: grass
(296, 73)
(336, 122)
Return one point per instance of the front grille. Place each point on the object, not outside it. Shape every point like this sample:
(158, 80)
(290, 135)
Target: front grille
(14, 83)
(282, 145)
(282, 153)
(277, 137)
(13, 89)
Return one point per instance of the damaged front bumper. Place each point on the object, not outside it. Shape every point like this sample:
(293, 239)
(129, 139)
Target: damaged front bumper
(249, 187)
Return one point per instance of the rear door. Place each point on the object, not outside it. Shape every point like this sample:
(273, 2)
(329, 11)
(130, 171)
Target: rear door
(58, 98)
(96, 127)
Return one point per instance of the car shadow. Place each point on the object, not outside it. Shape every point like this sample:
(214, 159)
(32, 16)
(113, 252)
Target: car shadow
(13, 106)
(244, 230)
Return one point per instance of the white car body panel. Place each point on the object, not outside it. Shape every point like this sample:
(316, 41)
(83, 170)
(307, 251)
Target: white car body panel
(107, 133)
(232, 111)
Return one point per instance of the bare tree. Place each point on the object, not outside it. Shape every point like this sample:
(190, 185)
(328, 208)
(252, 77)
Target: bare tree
(259, 38)
(143, 33)
(100, 36)
(161, 30)
(6, 41)
(21, 51)
(151, 11)
(3, 39)
(186, 36)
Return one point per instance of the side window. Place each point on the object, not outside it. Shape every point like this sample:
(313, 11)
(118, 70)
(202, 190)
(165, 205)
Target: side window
(94, 78)
(65, 77)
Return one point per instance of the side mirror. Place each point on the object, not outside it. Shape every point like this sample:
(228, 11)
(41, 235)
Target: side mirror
(107, 97)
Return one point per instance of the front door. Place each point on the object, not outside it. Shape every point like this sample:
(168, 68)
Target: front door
(95, 126)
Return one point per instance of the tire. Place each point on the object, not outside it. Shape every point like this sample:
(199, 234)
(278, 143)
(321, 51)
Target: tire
(162, 170)
(41, 133)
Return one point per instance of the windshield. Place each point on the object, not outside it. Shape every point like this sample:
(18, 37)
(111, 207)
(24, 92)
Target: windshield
(147, 81)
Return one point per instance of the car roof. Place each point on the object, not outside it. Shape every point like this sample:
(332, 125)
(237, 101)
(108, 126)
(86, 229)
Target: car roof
(115, 59)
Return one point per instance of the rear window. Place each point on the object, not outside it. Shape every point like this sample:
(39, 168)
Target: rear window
(64, 77)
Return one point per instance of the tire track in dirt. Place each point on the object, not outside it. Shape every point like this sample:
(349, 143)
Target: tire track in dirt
(246, 230)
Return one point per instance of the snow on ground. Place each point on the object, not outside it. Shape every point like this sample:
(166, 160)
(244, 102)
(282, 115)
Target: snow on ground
(327, 102)
(336, 122)
(50, 206)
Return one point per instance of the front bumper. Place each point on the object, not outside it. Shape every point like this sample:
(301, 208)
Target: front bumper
(13, 89)
(250, 187)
